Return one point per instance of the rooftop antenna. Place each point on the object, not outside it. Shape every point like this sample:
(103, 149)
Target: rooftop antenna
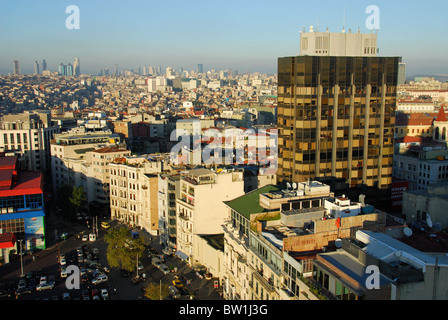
(343, 24)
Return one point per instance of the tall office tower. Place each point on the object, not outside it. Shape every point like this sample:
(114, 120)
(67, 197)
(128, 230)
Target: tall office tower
(44, 65)
(70, 70)
(200, 68)
(401, 73)
(76, 67)
(16, 67)
(115, 69)
(61, 69)
(336, 114)
(36, 67)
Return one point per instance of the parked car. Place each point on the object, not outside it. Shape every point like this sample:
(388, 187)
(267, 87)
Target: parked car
(105, 294)
(20, 291)
(66, 296)
(43, 280)
(51, 280)
(174, 292)
(164, 269)
(100, 279)
(22, 284)
(44, 286)
(4, 291)
(85, 295)
(95, 294)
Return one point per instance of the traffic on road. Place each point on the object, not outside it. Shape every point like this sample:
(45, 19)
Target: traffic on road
(45, 274)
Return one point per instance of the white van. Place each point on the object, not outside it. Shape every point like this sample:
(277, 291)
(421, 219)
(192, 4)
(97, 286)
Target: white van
(92, 237)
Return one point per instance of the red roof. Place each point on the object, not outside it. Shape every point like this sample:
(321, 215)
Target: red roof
(13, 183)
(441, 116)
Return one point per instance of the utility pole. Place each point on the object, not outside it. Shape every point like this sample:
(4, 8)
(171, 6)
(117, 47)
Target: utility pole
(21, 258)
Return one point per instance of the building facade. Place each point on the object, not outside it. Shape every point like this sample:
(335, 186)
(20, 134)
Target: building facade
(336, 117)
(22, 204)
(28, 135)
(200, 208)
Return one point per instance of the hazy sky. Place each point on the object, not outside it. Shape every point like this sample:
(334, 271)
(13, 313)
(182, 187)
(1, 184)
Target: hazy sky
(244, 35)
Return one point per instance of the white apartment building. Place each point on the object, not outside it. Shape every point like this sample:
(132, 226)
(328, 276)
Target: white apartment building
(410, 106)
(28, 136)
(81, 158)
(134, 190)
(431, 167)
(201, 211)
(89, 169)
(169, 190)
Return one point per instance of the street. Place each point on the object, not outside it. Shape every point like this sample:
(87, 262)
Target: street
(45, 263)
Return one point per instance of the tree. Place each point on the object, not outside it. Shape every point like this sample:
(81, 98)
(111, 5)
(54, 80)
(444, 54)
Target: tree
(123, 249)
(71, 199)
(156, 291)
(78, 198)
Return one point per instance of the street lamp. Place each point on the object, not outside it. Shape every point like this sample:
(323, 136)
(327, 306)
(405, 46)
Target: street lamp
(21, 257)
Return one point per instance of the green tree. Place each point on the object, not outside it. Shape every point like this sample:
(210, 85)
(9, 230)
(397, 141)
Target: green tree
(156, 291)
(123, 249)
(78, 198)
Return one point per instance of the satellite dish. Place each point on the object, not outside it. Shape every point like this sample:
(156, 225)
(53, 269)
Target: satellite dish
(294, 186)
(288, 185)
(428, 221)
(407, 232)
(338, 243)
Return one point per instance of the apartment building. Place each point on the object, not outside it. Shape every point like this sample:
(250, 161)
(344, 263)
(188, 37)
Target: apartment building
(274, 233)
(405, 273)
(28, 136)
(201, 211)
(169, 191)
(70, 161)
(134, 190)
(422, 167)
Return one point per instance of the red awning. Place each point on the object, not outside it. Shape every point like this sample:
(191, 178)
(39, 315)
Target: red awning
(7, 240)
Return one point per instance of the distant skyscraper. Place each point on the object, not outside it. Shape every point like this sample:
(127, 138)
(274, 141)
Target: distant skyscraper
(200, 68)
(115, 69)
(16, 67)
(76, 67)
(61, 69)
(401, 73)
(336, 114)
(36, 67)
(44, 65)
(69, 70)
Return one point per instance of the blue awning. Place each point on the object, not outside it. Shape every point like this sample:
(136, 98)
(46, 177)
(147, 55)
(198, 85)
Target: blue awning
(22, 215)
(181, 255)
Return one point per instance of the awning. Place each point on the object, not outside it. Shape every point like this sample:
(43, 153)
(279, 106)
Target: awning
(22, 214)
(181, 255)
(7, 240)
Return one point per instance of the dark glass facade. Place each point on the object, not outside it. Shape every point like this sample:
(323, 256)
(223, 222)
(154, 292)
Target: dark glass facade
(336, 118)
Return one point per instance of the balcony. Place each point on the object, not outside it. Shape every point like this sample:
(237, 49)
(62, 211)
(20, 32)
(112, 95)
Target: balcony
(266, 283)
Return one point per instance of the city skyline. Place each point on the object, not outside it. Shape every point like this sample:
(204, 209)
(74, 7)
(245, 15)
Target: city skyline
(239, 35)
